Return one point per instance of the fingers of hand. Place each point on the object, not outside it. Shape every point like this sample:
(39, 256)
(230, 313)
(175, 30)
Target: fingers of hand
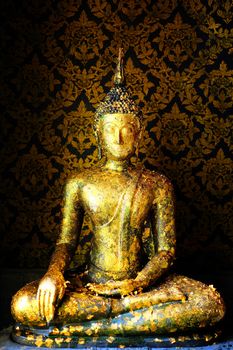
(46, 305)
(61, 293)
(97, 288)
(128, 287)
(46, 298)
(40, 302)
(112, 287)
(94, 287)
(49, 306)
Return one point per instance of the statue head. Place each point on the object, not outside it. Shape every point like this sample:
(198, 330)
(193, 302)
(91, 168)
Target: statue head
(118, 120)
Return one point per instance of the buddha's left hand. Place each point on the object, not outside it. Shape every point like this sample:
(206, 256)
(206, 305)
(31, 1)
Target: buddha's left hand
(112, 288)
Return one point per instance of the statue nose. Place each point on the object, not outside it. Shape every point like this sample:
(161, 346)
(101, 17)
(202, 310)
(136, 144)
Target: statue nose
(119, 138)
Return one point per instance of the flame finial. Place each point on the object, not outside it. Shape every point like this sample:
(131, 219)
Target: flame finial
(119, 78)
(118, 99)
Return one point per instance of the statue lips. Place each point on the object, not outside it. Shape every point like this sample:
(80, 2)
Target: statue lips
(122, 150)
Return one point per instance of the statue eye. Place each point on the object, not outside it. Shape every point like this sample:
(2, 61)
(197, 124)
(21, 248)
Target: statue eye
(128, 130)
(109, 129)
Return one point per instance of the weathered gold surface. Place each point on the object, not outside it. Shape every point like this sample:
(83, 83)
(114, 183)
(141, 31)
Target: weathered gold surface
(122, 291)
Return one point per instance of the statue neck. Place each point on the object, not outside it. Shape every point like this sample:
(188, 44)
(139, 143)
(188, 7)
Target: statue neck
(117, 165)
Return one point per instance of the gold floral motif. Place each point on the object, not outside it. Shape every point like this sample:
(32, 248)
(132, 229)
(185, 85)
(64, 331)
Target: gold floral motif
(216, 129)
(217, 175)
(34, 170)
(196, 9)
(175, 130)
(37, 82)
(225, 11)
(84, 38)
(178, 41)
(218, 87)
(78, 81)
(162, 10)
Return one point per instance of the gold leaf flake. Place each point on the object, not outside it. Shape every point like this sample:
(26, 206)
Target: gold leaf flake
(30, 337)
(39, 342)
(172, 340)
(157, 340)
(55, 331)
(212, 287)
(89, 332)
(110, 339)
(68, 340)
(89, 317)
(114, 326)
(81, 341)
(72, 329)
(48, 342)
(208, 337)
(58, 340)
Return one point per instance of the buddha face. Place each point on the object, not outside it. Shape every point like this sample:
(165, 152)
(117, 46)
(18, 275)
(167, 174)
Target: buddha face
(119, 135)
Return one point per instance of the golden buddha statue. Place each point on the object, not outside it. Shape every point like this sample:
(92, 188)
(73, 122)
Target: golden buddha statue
(123, 292)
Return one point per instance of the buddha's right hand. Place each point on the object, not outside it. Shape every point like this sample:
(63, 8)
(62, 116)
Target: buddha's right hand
(50, 291)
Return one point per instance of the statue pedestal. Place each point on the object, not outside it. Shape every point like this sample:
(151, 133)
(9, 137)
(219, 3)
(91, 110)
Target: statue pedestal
(46, 338)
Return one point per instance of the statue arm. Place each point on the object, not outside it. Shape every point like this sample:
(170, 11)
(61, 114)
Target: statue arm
(52, 286)
(70, 228)
(163, 227)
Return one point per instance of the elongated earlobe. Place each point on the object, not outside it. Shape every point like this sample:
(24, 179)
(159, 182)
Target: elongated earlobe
(137, 150)
(100, 154)
(138, 142)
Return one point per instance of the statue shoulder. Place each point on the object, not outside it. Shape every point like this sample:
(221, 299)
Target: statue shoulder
(156, 179)
(79, 179)
(76, 180)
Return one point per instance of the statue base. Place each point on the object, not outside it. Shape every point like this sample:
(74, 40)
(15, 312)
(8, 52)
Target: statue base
(48, 337)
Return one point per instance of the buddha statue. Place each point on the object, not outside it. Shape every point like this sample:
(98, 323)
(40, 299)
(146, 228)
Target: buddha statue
(125, 290)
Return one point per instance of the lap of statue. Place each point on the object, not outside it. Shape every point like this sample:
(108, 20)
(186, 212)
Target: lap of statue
(178, 303)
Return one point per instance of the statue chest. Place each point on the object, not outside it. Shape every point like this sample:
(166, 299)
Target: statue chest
(118, 208)
(116, 200)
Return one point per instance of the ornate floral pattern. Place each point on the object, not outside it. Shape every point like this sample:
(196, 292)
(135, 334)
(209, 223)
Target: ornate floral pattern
(58, 60)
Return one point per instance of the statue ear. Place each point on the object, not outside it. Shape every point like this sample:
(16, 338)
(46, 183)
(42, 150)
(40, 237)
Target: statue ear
(139, 137)
(137, 150)
(100, 154)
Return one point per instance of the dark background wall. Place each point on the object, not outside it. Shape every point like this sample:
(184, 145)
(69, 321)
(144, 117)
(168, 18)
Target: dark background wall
(57, 62)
